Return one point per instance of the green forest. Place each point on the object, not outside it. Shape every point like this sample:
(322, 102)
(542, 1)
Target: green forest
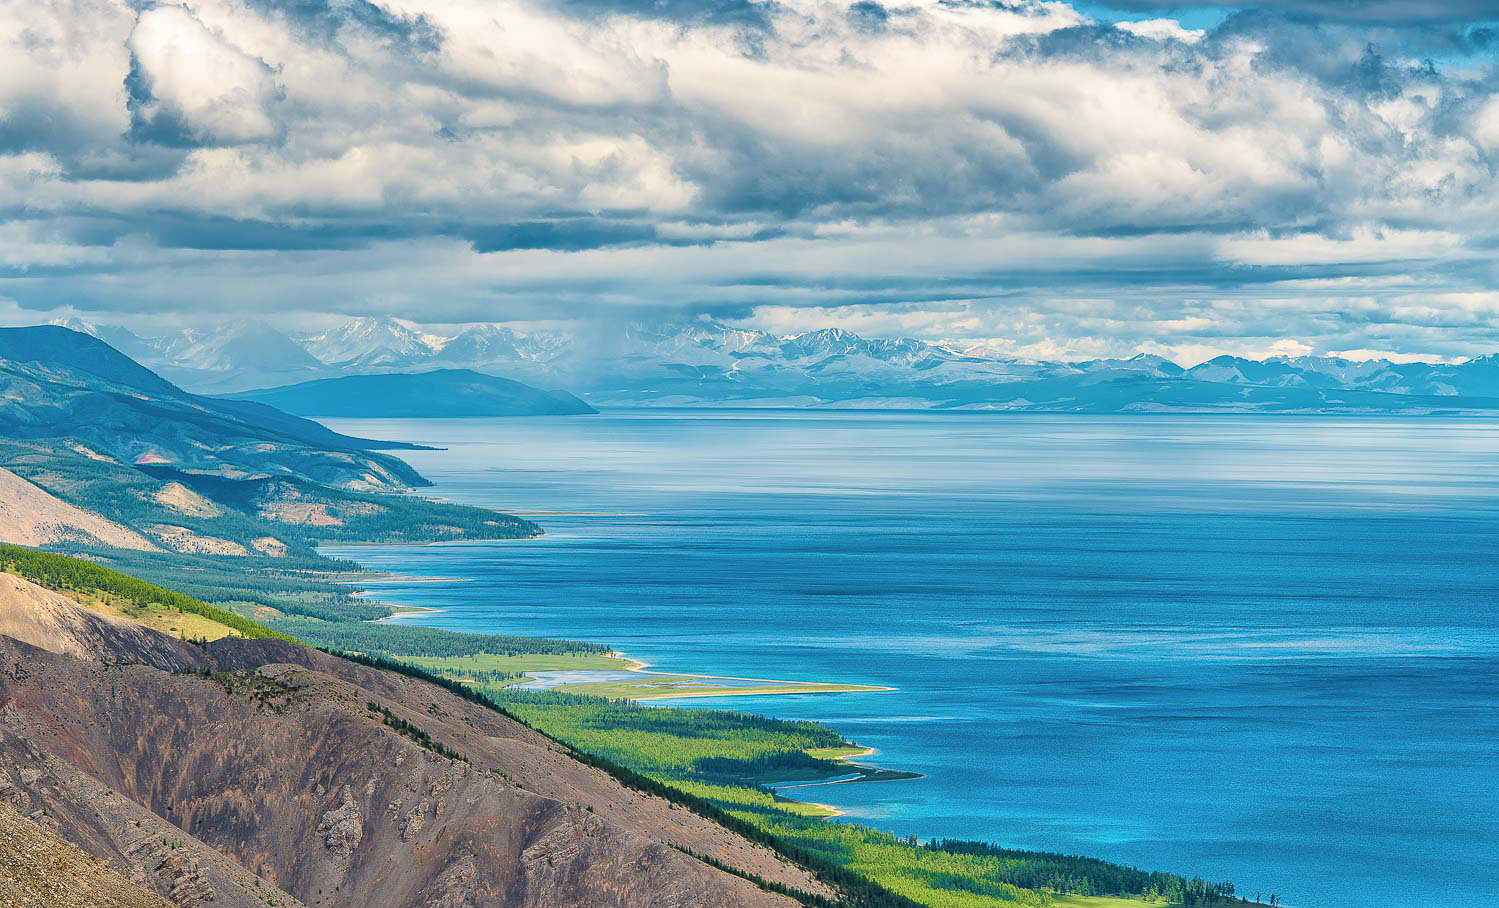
(404, 640)
(724, 757)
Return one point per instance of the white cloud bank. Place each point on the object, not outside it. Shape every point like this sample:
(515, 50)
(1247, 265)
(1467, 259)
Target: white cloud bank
(1001, 170)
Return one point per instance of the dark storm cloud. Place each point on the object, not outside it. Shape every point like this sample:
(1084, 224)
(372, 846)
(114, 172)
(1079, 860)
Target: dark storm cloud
(324, 21)
(749, 13)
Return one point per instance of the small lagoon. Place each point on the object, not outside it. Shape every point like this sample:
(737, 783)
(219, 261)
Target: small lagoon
(549, 680)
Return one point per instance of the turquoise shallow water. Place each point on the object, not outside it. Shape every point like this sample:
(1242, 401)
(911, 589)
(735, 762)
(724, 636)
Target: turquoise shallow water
(1258, 649)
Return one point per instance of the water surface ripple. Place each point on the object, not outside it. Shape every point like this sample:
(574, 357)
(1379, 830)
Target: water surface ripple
(1253, 648)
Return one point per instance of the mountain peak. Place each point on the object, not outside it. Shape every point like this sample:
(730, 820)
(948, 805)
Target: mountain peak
(825, 341)
(76, 324)
(371, 341)
(58, 346)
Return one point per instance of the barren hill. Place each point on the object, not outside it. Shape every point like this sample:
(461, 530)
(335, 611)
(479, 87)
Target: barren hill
(32, 516)
(55, 623)
(222, 774)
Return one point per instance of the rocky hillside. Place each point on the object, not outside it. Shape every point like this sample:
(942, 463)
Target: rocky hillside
(31, 516)
(259, 772)
(40, 870)
(51, 621)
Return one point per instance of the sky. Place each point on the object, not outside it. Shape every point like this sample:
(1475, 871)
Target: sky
(1063, 180)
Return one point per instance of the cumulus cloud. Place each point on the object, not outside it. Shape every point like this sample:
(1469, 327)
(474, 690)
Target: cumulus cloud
(1162, 30)
(1012, 170)
(195, 86)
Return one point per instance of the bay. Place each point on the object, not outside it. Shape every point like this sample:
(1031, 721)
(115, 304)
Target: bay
(1262, 649)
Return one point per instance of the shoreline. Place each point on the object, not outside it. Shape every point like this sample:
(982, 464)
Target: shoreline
(833, 813)
(403, 611)
(389, 577)
(615, 687)
(812, 688)
(642, 667)
(529, 514)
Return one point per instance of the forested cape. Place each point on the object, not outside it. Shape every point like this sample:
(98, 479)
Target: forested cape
(714, 762)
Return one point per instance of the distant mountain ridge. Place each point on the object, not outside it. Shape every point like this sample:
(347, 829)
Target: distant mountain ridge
(705, 363)
(441, 393)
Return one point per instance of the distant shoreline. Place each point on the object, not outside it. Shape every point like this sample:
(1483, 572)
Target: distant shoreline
(774, 686)
(767, 687)
(387, 577)
(402, 611)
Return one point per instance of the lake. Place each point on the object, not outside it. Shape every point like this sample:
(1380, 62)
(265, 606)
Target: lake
(1263, 649)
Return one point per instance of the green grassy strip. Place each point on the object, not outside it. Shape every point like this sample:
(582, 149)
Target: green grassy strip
(721, 757)
(60, 572)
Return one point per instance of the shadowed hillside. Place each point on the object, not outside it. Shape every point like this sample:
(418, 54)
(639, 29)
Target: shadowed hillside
(87, 427)
(55, 382)
(442, 393)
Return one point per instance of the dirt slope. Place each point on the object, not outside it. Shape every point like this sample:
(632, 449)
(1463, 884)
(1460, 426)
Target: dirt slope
(39, 870)
(53, 622)
(276, 761)
(31, 516)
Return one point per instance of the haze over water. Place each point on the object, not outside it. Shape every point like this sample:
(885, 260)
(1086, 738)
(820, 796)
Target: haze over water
(1257, 649)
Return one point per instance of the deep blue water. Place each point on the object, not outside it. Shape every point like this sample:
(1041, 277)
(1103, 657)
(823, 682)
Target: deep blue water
(1250, 648)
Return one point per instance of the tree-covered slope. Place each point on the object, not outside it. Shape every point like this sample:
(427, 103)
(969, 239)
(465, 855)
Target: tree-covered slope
(57, 383)
(63, 574)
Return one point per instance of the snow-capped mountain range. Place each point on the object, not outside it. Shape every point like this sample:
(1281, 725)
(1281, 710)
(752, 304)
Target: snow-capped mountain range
(708, 363)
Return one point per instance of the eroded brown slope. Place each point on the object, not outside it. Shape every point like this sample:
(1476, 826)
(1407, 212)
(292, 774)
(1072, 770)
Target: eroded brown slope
(281, 765)
(53, 622)
(33, 516)
(496, 743)
(142, 847)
